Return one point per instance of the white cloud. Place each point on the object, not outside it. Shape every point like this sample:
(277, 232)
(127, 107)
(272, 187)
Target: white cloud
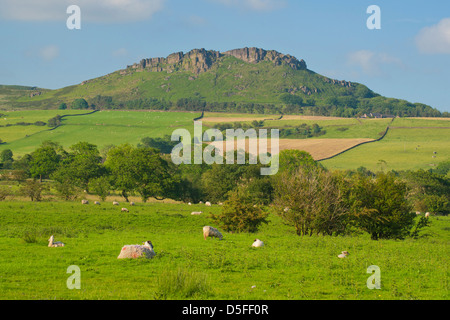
(95, 11)
(372, 63)
(435, 39)
(49, 52)
(255, 5)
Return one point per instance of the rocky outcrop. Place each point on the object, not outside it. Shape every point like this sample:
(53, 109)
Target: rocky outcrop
(201, 60)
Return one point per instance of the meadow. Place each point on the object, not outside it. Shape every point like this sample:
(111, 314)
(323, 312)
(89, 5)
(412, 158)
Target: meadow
(186, 266)
(409, 144)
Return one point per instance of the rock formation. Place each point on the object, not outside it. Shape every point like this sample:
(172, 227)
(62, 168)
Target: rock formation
(201, 60)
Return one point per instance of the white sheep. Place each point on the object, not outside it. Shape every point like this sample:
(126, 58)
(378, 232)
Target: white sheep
(201, 202)
(286, 209)
(125, 210)
(208, 204)
(258, 243)
(53, 243)
(84, 202)
(115, 203)
(196, 213)
(427, 215)
(417, 212)
(131, 203)
(137, 251)
(211, 232)
(343, 255)
(189, 204)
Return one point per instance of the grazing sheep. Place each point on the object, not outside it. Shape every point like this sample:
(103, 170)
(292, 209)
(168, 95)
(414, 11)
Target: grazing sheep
(286, 209)
(131, 203)
(201, 202)
(211, 232)
(208, 204)
(427, 215)
(84, 202)
(417, 212)
(196, 213)
(190, 204)
(258, 243)
(137, 251)
(53, 243)
(115, 203)
(97, 203)
(125, 210)
(220, 204)
(343, 255)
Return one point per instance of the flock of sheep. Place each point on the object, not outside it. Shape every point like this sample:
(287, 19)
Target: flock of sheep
(146, 250)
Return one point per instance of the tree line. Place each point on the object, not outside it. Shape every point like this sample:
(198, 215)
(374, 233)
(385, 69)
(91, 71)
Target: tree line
(310, 198)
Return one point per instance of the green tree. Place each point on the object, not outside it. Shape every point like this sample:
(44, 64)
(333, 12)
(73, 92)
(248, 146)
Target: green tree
(101, 186)
(381, 206)
(33, 189)
(44, 161)
(310, 199)
(80, 104)
(62, 106)
(239, 214)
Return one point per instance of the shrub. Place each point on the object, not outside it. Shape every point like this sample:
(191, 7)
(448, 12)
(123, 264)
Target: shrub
(239, 213)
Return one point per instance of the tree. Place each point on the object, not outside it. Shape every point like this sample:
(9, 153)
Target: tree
(100, 186)
(62, 106)
(381, 206)
(6, 159)
(80, 104)
(33, 189)
(311, 200)
(44, 161)
(140, 170)
(239, 213)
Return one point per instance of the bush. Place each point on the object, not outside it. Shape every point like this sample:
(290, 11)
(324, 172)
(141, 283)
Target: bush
(33, 189)
(239, 213)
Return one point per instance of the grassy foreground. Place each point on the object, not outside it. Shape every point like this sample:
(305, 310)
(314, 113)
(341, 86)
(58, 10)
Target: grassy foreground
(188, 267)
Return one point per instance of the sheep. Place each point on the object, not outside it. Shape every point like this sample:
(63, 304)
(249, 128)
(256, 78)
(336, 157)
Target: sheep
(189, 204)
(343, 255)
(131, 203)
(137, 251)
(258, 243)
(196, 213)
(53, 243)
(201, 202)
(417, 212)
(115, 203)
(97, 203)
(84, 202)
(125, 210)
(427, 215)
(208, 204)
(286, 209)
(211, 232)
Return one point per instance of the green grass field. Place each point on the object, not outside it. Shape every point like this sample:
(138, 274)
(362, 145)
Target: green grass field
(289, 267)
(101, 128)
(397, 149)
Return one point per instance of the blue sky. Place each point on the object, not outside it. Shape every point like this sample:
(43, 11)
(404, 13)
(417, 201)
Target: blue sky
(408, 58)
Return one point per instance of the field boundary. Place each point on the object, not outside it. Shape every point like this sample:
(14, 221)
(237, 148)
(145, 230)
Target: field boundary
(359, 144)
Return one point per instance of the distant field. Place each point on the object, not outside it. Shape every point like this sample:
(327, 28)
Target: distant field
(401, 149)
(397, 149)
(318, 148)
(105, 128)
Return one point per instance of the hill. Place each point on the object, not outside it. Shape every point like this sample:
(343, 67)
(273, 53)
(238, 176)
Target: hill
(247, 80)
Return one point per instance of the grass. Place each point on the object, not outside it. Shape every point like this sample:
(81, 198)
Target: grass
(104, 128)
(187, 267)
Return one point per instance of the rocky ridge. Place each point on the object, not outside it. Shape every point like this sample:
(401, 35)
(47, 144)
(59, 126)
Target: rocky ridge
(201, 60)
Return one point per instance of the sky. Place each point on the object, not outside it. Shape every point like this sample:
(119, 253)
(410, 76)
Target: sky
(407, 58)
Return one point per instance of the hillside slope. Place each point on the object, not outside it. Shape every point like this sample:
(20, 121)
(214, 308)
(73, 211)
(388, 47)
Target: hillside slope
(249, 80)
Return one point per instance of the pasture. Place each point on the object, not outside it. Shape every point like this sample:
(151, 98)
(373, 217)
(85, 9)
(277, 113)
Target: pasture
(186, 266)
